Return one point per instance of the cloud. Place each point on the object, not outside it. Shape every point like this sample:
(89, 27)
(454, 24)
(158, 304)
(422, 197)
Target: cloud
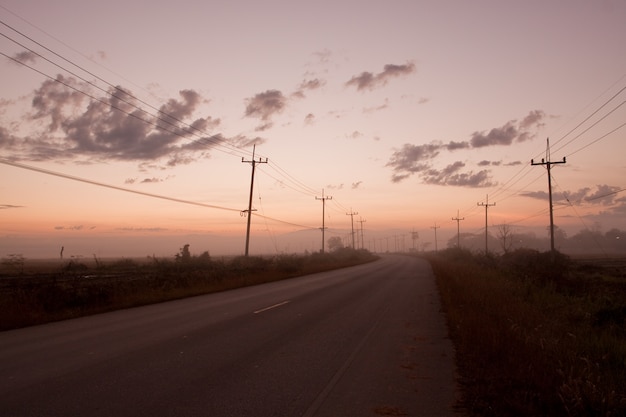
(265, 105)
(453, 146)
(9, 206)
(79, 227)
(323, 56)
(67, 124)
(305, 85)
(26, 57)
(510, 132)
(419, 159)
(451, 175)
(151, 180)
(355, 135)
(604, 195)
(369, 81)
(377, 108)
(356, 185)
(410, 159)
(309, 119)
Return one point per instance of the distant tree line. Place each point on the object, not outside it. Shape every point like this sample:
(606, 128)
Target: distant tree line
(505, 239)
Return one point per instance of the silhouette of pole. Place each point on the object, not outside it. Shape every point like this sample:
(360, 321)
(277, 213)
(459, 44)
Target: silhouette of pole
(458, 229)
(548, 164)
(362, 221)
(249, 211)
(486, 205)
(323, 199)
(352, 214)
(435, 227)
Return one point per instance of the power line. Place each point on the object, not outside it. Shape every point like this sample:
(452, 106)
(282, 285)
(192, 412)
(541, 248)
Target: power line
(113, 187)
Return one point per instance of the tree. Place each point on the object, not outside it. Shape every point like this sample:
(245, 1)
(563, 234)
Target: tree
(335, 243)
(184, 255)
(505, 235)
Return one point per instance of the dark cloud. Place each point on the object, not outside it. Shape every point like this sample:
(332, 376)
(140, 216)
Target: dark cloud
(265, 105)
(512, 131)
(603, 194)
(111, 127)
(241, 141)
(453, 146)
(369, 81)
(418, 159)
(498, 136)
(79, 227)
(305, 85)
(411, 159)
(486, 163)
(9, 206)
(356, 185)
(309, 119)
(26, 57)
(152, 180)
(451, 175)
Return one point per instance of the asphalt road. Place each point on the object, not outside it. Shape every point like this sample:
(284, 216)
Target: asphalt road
(362, 341)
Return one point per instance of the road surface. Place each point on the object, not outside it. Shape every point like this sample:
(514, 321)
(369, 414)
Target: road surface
(368, 340)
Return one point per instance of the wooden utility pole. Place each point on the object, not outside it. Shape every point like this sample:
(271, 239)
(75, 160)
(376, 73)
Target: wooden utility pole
(249, 211)
(435, 227)
(486, 205)
(362, 221)
(352, 214)
(323, 199)
(548, 164)
(458, 229)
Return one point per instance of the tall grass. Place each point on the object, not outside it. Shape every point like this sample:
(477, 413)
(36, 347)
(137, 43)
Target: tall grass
(534, 337)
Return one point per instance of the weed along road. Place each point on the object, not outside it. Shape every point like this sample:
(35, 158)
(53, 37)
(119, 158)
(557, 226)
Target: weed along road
(368, 340)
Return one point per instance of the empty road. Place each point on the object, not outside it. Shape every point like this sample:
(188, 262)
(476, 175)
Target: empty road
(368, 340)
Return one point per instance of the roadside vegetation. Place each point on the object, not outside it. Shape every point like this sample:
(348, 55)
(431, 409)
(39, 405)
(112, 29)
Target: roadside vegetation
(39, 292)
(536, 336)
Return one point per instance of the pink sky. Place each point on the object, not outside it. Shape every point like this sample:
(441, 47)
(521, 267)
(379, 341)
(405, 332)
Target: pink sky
(406, 112)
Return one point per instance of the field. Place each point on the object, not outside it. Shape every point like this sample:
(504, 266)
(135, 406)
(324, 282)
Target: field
(536, 336)
(39, 291)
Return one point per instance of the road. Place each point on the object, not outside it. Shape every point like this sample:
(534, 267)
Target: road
(368, 340)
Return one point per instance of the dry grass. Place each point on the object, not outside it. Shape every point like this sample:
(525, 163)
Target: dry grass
(535, 338)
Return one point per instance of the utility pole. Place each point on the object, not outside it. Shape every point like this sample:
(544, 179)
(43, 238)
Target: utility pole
(486, 205)
(458, 229)
(362, 221)
(323, 199)
(352, 214)
(548, 164)
(249, 211)
(414, 235)
(435, 227)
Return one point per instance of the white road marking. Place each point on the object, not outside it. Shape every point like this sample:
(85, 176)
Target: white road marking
(271, 307)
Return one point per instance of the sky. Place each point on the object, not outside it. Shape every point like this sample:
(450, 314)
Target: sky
(128, 128)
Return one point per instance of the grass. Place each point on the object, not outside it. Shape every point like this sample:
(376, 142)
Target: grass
(38, 292)
(535, 337)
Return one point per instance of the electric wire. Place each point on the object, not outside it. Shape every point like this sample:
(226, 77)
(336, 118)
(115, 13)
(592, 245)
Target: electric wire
(113, 187)
(215, 140)
(116, 88)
